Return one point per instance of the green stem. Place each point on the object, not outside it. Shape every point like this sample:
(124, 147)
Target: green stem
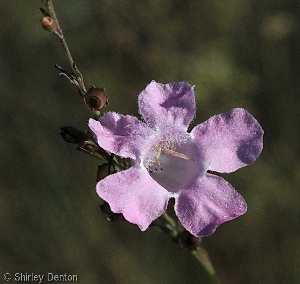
(169, 219)
(60, 35)
(172, 226)
(202, 256)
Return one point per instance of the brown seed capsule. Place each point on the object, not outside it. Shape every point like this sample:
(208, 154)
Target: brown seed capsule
(49, 24)
(96, 98)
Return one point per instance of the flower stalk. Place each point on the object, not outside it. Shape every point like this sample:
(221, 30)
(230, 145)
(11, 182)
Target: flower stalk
(172, 167)
(75, 77)
(59, 33)
(169, 226)
(202, 256)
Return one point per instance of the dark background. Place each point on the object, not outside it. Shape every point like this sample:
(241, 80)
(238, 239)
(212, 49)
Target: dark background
(238, 53)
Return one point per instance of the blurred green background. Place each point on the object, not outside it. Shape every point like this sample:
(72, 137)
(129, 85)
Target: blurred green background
(238, 53)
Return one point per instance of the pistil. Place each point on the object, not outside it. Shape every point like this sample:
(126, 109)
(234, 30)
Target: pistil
(176, 154)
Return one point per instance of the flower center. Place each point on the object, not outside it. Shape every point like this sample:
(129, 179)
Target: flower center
(175, 165)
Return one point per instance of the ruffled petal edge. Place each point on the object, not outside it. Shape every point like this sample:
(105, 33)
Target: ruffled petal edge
(229, 141)
(207, 204)
(134, 194)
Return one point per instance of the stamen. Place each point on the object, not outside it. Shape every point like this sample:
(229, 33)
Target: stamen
(176, 154)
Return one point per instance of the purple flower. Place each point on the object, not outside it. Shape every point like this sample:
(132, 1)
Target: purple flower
(169, 162)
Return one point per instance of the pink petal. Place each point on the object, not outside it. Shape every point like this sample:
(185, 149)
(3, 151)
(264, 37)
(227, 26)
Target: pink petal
(209, 203)
(229, 141)
(170, 104)
(134, 194)
(120, 134)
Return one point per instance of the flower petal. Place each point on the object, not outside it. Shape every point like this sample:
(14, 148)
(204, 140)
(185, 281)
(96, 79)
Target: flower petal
(120, 134)
(134, 194)
(210, 202)
(229, 141)
(169, 104)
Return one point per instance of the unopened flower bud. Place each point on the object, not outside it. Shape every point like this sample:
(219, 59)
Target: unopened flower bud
(49, 24)
(72, 135)
(96, 98)
(104, 170)
(188, 241)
